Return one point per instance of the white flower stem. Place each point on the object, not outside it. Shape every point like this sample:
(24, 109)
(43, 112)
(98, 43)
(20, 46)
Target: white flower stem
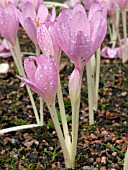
(18, 128)
(118, 34)
(18, 62)
(126, 160)
(110, 31)
(125, 56)
(75, 125)
(56, 123)
(56, 4)
(63, 115)
(41, 112)
(90, 84)
(40, 98)
(96, 83)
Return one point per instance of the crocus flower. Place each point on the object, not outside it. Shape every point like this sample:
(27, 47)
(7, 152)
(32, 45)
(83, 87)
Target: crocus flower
(79, 36)
(122, 4)
(111, 53)
(30, 19)
(111, 6)
(5, 2)
(35, 3)
(75, 85)
(48, 42)
(4, 50)
(9, 22)
(42, 73)
(88, 3)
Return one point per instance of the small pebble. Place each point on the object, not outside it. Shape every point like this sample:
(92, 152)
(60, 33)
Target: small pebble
(98, 160)
(103, 168)
(103, 160)
(4, 67)
(124, 94)
(33, 156)
(86, 167)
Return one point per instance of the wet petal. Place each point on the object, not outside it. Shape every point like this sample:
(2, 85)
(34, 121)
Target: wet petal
(31, 30)
(30, 67)
(45, 41)
(32, 85)
(28, 10)
(42, 14)
(98, 26)
(47, 78)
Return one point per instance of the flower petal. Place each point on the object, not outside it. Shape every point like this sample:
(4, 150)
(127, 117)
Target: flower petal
(45, 41)
(32, 85)
(30, 67)
(47, 78)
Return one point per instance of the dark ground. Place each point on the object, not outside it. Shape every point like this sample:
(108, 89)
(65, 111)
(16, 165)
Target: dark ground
(100, 147)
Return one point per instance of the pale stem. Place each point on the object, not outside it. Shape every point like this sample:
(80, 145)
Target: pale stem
(75, 125)
(41, 112)
(109, 30)
(126, 160)
(19, 66)
(56, 123)
(125, 56)
(28, 53)
(63, 114)
(90, 85)
(17, 128)
(114, 36)
(97, 76)
(117, 17)
(40, 98)
(56, 4)
(37, 51)
(118, 34)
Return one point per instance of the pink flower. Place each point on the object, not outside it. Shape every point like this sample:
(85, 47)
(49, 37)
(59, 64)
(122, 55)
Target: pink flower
(79, 36)
(9, 22)
(111, 53)
(5, 2)
(48, 42)
(4, 49)
(30, 19)
(35, 3)
(42, 73)
(88, 3)
(110, 5)
(75, 85)
(122, 4)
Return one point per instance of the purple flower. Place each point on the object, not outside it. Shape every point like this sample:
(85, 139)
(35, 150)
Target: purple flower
(111, 6)
(30, 19)
(42, 73)
(75, 85)
(79, 36)
(9, 22)
(5, 2)
(122, 4)
(88, 3)
(48, 42)
(111, 53)
(4, 49)
(35, 3)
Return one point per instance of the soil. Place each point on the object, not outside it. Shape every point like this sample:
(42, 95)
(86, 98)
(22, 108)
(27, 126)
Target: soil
(101, 146)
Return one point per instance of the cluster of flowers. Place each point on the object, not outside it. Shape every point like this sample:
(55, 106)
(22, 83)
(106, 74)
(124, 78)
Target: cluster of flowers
(72, 32)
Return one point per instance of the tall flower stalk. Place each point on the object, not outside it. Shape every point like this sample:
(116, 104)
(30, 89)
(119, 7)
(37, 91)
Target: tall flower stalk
(79, 40)
(123, 5)
(9, 24)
